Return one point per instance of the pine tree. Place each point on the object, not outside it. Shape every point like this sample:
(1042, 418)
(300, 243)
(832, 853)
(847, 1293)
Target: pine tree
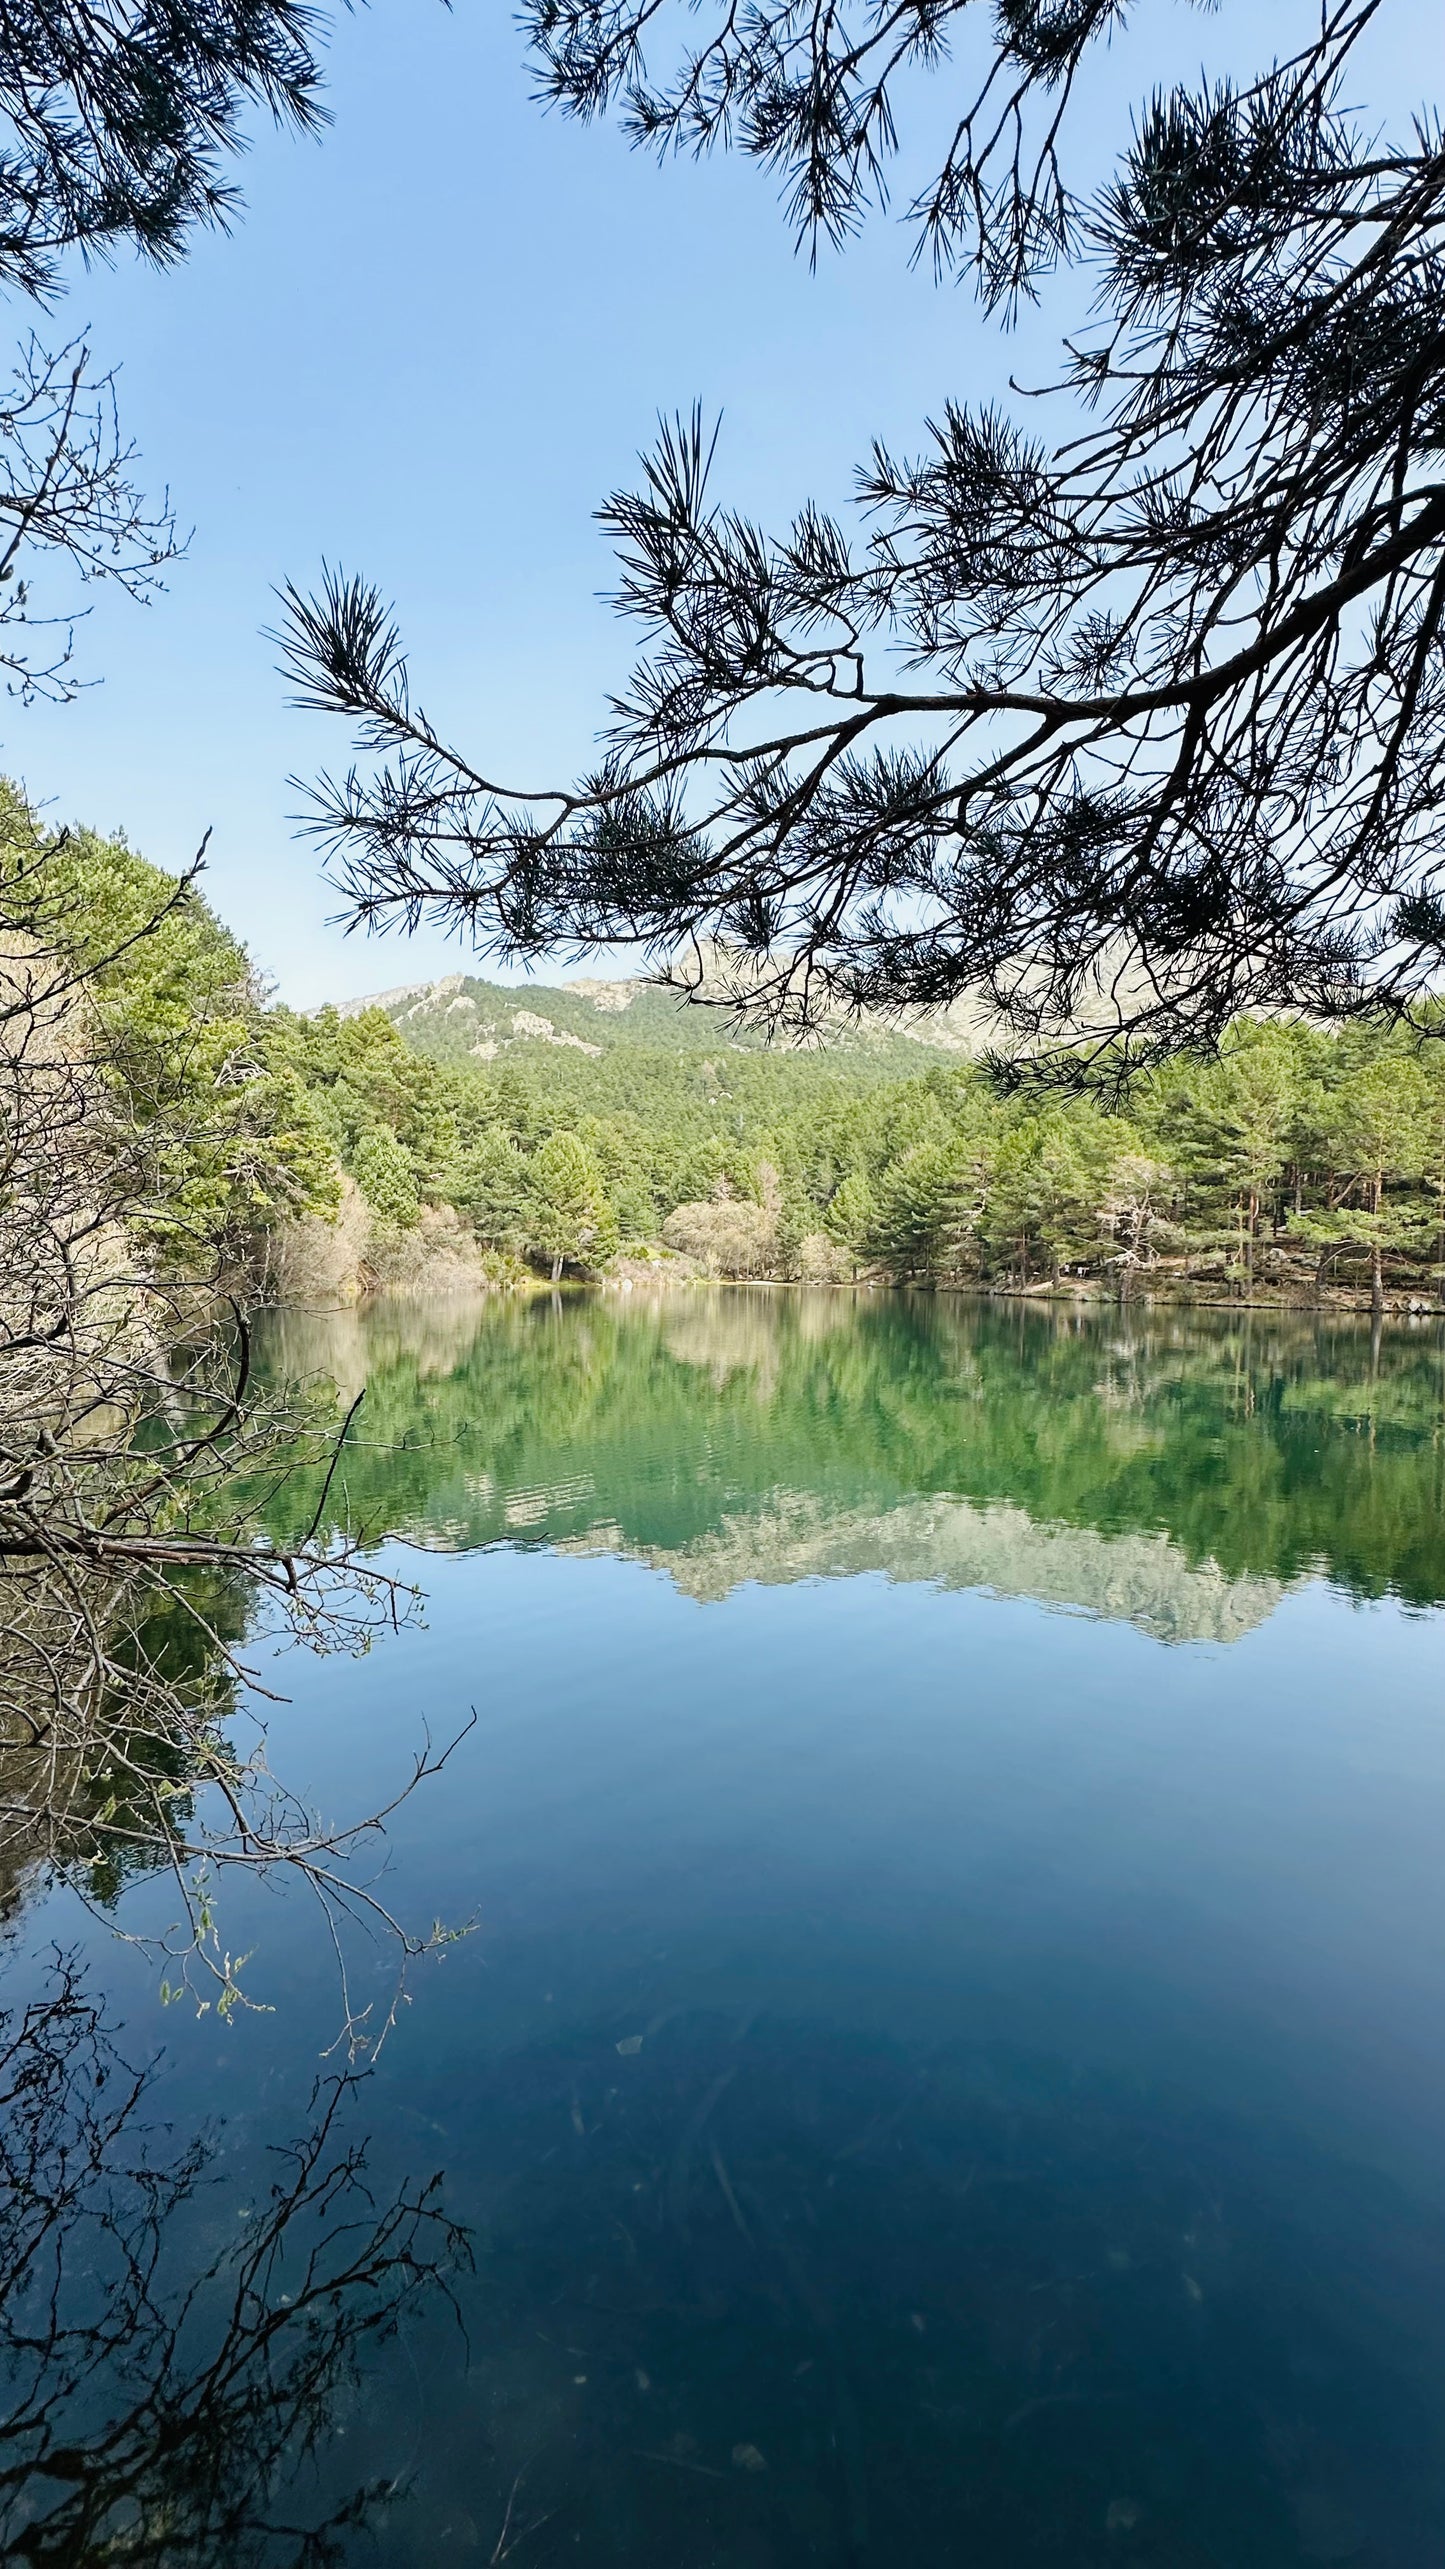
(570, 1222)
(387, 1179)
(116, 126)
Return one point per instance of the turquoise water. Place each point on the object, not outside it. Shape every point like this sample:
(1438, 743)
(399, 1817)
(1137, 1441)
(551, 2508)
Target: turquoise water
(948, 2062)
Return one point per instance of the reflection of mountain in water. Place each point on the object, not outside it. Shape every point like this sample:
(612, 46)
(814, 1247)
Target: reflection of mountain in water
(1141, 1579)
(1175, 1470)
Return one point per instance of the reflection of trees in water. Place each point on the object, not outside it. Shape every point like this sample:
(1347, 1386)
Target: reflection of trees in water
(1141, 1579)
(1263, 1445)
(137, 1150)
(155, 1758)
(736, 1337)
(100, 1786)
(161, 2415)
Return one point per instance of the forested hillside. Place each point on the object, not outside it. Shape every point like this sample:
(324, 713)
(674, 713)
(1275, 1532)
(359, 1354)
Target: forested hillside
(462, 1134)
(462, 1019)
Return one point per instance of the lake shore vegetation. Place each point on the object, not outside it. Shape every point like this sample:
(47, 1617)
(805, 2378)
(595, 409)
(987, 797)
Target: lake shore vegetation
(317, 1158)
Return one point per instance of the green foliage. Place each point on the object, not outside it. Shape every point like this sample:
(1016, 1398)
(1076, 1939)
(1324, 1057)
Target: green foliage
(184, 1035)
(571, 1221)
(387, 1179)
(1292, 1157)
(851, 1214)
(1272, 1443)
(1049, 1183)
(914, 1226)
(563, 1030)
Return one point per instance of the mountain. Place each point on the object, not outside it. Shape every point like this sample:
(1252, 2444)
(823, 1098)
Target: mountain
(462, 1019)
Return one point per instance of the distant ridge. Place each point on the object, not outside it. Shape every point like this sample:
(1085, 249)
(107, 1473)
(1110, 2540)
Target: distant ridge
(461, 1018)
(387, 999)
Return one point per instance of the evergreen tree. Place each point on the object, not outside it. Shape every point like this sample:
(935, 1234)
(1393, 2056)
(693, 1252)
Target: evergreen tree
(914, 1226)
(116, 126)
(491, 1187)
(1050, 1183)
(1243, 1119)
(188, 1042)
(1380, 1097)
(387, 1179)
(571, 1222)
(1291, 1159)
(851, 1216)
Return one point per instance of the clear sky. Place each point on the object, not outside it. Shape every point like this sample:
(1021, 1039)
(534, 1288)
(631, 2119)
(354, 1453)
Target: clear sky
(434, 342)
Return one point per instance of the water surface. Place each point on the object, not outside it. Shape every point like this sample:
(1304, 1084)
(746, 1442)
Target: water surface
(949, 2062)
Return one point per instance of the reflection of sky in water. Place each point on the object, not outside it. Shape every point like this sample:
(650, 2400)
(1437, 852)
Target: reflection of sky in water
(932, 2080)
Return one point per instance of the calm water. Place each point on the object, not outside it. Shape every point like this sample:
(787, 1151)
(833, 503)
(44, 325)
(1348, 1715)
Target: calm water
(949, 2062)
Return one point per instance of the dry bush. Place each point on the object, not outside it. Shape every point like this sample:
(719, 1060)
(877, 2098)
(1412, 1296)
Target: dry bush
(823, 1261)
(311, 1263)
(439, 1256)
(729, 1237)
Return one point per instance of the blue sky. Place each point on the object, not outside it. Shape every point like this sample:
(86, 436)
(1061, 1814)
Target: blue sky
(432, 345)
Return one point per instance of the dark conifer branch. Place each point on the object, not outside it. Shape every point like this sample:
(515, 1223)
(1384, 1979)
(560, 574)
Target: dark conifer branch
(1124, 729)
(116, 122)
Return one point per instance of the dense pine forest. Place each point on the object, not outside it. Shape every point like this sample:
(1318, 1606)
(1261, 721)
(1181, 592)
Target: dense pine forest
(397, 1148)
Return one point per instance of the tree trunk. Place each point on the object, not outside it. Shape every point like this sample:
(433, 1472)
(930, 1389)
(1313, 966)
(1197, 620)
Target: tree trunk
(1377, 1274)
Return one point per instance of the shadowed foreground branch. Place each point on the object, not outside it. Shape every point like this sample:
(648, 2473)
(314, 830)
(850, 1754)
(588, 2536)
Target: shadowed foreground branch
(1115, 731)
(164, 2411)
(136, 1462)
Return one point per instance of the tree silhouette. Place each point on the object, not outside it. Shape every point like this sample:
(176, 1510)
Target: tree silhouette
(1114, 731)
(116, 124)
(163, 2417)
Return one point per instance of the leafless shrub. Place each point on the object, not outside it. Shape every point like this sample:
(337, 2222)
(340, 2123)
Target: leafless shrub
(137, 1462)
(728, 1238)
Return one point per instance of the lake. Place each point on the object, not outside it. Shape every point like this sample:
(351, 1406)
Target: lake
(946, 2059)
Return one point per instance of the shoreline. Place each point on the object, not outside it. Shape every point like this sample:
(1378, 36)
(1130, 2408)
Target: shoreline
(1397, 1309)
